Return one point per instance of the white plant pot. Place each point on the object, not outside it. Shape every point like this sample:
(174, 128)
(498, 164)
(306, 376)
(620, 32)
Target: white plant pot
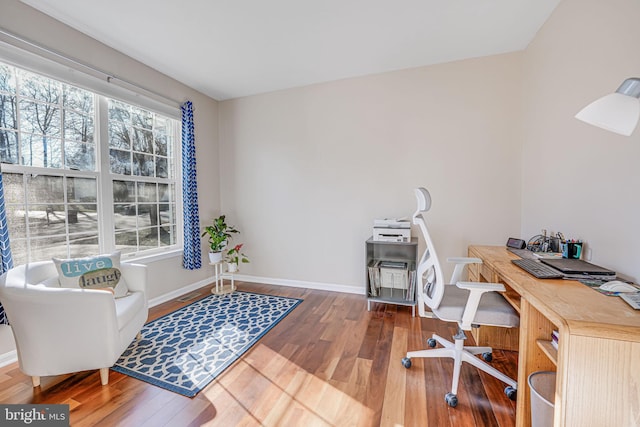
(232, 267)
(215, 257)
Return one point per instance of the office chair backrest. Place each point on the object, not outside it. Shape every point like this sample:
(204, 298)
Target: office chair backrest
(429, 273)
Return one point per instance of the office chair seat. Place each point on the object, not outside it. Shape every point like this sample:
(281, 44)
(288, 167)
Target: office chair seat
(493, 309)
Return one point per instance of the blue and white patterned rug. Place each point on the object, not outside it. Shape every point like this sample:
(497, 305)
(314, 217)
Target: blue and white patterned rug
(185, 350)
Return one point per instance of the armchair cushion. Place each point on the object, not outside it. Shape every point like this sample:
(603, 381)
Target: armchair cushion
(99, 272)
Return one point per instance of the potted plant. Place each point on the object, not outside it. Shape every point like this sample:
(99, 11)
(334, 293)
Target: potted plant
(234, 257)
(219, 235)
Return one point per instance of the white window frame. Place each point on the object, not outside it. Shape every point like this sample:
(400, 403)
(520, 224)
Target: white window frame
(106, 231)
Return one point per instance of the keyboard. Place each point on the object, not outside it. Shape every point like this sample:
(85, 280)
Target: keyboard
(537, 269)
(523, 253)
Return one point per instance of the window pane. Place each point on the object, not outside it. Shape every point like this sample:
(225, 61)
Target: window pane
(141, 118)
(41, 151)
(48, 248)
(142, 140)
(7, 79)
(143, 165)
(81, 190)
(124, 191)
(82, 244)
(39, 118)
(39, 88)
(162, 167)
(167, 235)
(119, 111)
(147, 192)
(83, 218)
(148, 238)
(80, 156)
(124, 216)
(13, 188)
(120, 162)
(119, 135)
(78, 99)
(16, 222)
(8, 146)
(8, 111)
(127, 241)
(147, 215)
(167, 214)
(47, 220)
(78, 127)
(45, 189)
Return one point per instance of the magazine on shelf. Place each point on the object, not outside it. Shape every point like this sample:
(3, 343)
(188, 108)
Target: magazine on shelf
(411, 289)
(374, 278)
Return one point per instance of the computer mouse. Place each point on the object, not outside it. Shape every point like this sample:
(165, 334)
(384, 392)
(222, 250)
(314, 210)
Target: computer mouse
(618, 286)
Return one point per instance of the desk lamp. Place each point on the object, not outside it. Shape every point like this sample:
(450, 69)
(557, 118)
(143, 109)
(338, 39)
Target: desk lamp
(617, 112)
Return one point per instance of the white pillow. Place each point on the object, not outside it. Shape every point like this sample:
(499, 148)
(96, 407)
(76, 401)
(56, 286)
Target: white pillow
(99, 272)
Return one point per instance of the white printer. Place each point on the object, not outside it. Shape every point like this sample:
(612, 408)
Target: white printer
(391, 230)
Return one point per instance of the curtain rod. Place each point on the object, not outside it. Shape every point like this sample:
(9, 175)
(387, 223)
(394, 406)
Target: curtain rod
(103, 75)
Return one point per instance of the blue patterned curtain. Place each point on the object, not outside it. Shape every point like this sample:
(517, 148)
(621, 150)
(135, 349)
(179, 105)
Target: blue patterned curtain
(192, 258)
(6, 260)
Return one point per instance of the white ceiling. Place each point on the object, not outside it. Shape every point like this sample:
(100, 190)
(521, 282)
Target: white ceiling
(228, 49)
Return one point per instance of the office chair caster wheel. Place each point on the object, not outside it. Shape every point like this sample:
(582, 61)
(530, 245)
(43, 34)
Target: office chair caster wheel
(406, 362)
(431, 342)
(487, 356)
(511, 392)
(451, 399)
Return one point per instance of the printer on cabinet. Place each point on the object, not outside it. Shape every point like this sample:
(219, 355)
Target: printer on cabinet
(391, 230)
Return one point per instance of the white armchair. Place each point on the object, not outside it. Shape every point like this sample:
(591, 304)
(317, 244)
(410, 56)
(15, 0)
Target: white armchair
(64, 330)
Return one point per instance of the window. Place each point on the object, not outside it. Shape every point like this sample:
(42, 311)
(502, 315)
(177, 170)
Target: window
(83, 173)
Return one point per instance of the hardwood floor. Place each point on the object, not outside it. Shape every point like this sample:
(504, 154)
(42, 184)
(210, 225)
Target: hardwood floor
(328, 363)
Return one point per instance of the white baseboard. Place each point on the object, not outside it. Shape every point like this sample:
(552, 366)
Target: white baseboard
(332, 287)
(178, 292)
(8, 358)
(255, 279)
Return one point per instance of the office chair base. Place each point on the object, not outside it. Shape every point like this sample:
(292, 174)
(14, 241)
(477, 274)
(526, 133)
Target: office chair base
(460, 353)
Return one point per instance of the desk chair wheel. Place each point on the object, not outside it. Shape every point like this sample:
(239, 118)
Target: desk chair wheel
(487, 356)
(451, 399)
(511, 392)
(431, 342)
(406, 362)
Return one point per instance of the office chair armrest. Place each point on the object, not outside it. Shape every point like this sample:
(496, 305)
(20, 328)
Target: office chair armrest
(476, 289)
(460, 263)
(484, 287)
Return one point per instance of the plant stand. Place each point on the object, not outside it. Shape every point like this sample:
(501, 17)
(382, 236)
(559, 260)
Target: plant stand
(219, 276)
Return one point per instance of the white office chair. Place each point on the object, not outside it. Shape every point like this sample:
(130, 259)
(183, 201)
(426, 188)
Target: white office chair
(466, 303)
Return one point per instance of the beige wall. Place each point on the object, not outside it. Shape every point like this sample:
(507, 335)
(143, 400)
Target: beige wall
(306, 171)
(303, 172)
(167, 275)
(577, 178)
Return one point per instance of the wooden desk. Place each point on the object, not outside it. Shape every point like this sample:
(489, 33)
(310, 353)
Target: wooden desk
(598, 357)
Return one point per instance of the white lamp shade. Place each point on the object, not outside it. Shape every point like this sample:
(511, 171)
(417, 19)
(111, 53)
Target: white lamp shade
(615, 112)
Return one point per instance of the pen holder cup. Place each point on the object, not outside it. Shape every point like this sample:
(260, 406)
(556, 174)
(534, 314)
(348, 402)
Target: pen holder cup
(571, 250)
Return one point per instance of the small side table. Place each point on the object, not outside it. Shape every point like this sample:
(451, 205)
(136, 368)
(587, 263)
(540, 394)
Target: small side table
(219, 275)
